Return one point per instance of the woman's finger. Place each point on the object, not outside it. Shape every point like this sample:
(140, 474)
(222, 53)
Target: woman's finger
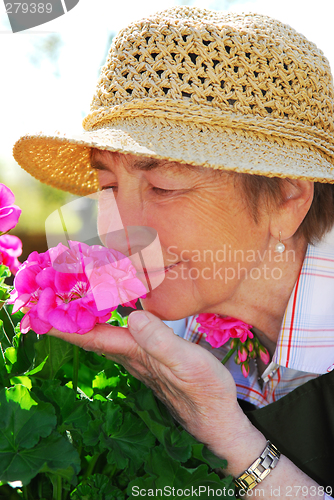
(103, 339)
(160, 342)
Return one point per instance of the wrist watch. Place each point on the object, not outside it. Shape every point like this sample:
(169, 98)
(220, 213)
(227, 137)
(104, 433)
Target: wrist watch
(259, 469)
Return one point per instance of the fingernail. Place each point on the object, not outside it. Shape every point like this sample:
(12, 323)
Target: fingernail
(137, 320)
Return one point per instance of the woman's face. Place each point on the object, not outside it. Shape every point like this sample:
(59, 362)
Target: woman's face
(202, 223)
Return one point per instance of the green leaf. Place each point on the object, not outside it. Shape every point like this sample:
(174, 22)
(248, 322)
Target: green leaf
(151, 411)
(11, 355)
(178, 444)
(112, 417)
(4, 272)
(97, 487)
(21, 380)
(101, 381)
(93, 433)
(130, 444)
(124, 435)
(71, 413)
(58, 352)
(98, 415)
(117, 319)
(203, 454)
(37, 368)
(53, 454)
(22, 420)
(4, 294)
(90, 365)
(20, 356)
(166, 474)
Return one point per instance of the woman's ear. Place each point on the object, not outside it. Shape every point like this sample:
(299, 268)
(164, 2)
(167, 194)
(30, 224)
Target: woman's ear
(297, 199)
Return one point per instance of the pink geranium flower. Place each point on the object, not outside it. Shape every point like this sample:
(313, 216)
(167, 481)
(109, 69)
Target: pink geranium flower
(73, 289)
(10, 250)
(220, 329)
(9, 213)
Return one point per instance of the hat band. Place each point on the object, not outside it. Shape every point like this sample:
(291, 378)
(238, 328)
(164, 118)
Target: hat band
(276, 129)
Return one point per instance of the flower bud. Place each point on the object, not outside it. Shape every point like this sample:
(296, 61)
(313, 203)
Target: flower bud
(234, 343)
(249, 345)
(245, 369)
(237, 360)
(264, 354)
(256, 342)
(242, 353)
(252, 355)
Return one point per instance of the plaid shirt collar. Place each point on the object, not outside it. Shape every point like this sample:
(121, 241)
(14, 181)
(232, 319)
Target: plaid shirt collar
(306, 339)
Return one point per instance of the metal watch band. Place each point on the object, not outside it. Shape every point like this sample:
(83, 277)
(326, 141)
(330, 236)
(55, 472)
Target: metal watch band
(259, 469)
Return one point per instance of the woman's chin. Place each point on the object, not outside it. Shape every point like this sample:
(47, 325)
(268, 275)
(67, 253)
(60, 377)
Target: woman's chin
(173, 299)
(164, 309)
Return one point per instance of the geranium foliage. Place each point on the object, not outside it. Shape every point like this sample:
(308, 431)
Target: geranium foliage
(77, 426)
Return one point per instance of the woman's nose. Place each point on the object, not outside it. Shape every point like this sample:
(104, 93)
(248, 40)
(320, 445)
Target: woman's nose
(130, 204)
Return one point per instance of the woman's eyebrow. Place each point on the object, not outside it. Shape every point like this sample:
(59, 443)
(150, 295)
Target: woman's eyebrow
(98, 165)
(147, 164)
(144, 164)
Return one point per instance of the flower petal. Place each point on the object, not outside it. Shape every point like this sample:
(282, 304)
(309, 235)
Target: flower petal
(61, 318)
(9, 217)
(39, 326)
(46, 304)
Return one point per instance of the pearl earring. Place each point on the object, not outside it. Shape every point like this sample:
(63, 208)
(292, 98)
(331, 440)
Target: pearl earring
(280, 247)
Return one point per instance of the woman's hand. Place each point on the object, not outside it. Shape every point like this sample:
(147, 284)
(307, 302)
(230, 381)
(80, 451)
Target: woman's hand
(197, 389)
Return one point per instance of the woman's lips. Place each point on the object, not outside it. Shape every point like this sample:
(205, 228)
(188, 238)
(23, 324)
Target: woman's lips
(149, 276)
(171, 266)
(149, 272)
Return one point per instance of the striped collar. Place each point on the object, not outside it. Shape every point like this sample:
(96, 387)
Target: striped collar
(306, 339)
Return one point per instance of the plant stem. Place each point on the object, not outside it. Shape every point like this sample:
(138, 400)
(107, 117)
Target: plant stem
(75, 367)
(40, 489)
(25, 493)
(9, 318)
(229, 354)
(57, 489)
(91, 465)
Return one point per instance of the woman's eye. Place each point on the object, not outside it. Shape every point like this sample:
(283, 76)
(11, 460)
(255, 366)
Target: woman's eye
(104, 188)
(157, 190)
(163, 192)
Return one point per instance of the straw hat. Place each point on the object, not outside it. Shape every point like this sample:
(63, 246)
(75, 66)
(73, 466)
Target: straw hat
(241, 92)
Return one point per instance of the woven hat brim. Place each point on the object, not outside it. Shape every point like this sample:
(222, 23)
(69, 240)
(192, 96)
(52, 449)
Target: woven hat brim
(63, 161)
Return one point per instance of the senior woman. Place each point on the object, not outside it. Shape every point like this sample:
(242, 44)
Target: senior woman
(216, 130)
